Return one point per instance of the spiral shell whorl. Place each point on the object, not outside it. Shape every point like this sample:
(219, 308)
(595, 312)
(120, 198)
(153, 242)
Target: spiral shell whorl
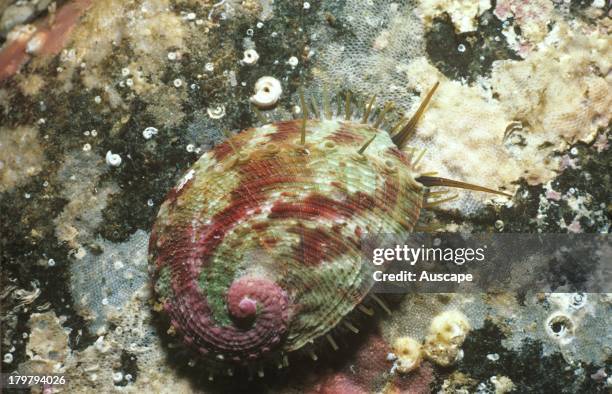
(252, 338)
(257, 251)
(261, 305)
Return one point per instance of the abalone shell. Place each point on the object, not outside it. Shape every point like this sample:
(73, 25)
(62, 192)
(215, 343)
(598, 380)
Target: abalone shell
(256, 252)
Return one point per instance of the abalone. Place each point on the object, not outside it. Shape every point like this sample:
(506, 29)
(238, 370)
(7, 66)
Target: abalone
(256, 252)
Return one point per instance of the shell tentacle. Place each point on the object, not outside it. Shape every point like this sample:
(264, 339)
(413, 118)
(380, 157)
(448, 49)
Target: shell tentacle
(401, 138)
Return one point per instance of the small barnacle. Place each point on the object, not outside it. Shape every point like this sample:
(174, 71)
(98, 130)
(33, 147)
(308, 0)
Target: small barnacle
(267, 92)
(216, 112)
(149, 132)
(250, 56)
(178, 83)
(407, 354)
(450, 326)
(293, 61)
(493, 356)
(36, 43)
(117, 376)
(560, 327)
(113, 159)
(578, 300)
(446, 335)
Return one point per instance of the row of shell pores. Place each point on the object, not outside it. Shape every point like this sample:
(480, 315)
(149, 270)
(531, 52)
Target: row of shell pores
(277, 223)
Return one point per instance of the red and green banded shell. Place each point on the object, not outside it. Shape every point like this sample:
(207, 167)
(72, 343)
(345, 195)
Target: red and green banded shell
(256, 252)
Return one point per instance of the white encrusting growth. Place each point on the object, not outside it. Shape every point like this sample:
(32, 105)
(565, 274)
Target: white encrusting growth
(293, 61)
(149, 132)
(250, 56)
(216, 112)
(113, 159)
(267, 92)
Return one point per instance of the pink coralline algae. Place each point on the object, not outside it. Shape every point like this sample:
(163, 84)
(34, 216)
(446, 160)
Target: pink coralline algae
(568, 162)
(575, 226)
(369, 371)
(553, 195)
